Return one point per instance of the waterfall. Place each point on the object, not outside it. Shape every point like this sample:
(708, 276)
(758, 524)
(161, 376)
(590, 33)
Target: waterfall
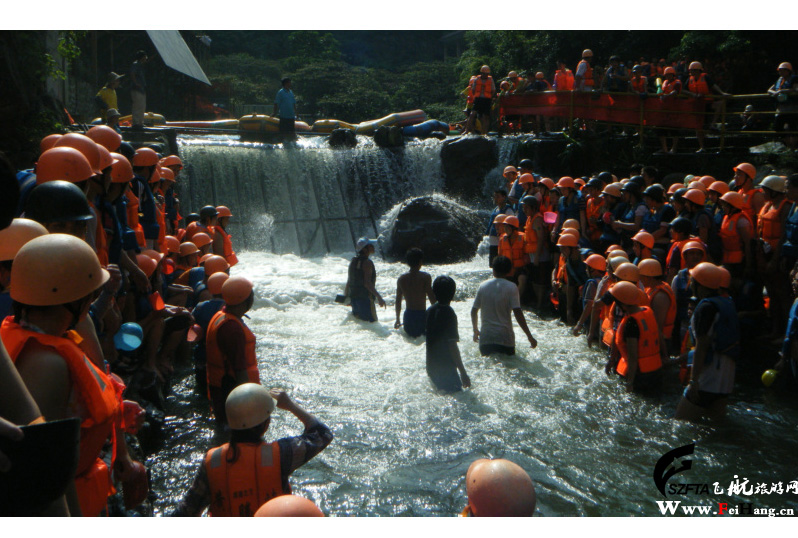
(308, 200)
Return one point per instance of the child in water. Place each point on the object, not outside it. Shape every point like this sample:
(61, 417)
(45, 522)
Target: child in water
(443, 355)
(414, 287)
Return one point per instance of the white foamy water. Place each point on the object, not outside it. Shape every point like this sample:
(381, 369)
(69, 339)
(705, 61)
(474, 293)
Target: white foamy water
(400, 448)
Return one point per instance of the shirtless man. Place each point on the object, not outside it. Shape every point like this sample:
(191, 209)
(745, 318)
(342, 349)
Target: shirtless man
(414, 287)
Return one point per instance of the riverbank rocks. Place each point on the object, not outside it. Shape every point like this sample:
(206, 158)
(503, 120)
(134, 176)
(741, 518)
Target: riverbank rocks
(465, 162)
(446, 231)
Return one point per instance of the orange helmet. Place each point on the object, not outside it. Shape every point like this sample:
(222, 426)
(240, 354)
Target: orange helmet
(172, 160)
(628, 272)
(697, 185)
(223, 211)
(289, 506)
(566, 182)
(571, 231)
(707, 181)
(650, 267)
(83, 144)
(719, 187)
(106, 159)
(669, 71)
(696, 65)
(167, 174)
(154, 254)
(526, 178)
(19, 232)
(145, 157)
(484, 69)
(205, 257)
(511, 221)
(595, 261)
(188, 248)
(172, 244)
(611, 248)
(215, 282)
(571, 223)
(155, 177)
(547, 182)
(746, 168)
(539, 75)
(48, 142)
(499, 488)
(694, 245)
(201, 239)
(785, 65)
(707, 274)
(215, 264)
(587, 53)
(734, 199)
(724, 280)
(55, 269)
(675, 187)
(236, 290)
(616, 262)
(121, 171)
(696, 196)
(105, 137)
(499, 219)
(644, 238)
(579, 181)
(567, 240)
(63, 163)
(510, 170)
(146, 264)
(626, 293)
(504, 85)
(619, 253)
(612, 190)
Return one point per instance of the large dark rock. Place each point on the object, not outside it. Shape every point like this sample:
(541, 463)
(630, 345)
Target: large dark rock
(342, 138)
(465, 162)
(446, 231)
(389, 136)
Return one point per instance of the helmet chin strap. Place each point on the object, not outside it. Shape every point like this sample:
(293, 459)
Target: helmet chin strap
(75, 309)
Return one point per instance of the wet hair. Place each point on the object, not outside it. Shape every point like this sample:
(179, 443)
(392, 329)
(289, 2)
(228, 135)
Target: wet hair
(532, 202)
(502, 265)
(140, 54)
(444, 287)
(250, 435)
(500, 191)
(285, 81)
(414, 257)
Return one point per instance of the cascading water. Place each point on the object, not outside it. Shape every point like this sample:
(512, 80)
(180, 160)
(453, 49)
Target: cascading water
(400, 448)
(308, 200)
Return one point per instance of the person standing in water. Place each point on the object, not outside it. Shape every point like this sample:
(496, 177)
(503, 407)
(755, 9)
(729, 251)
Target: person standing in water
(443, 355)
(360, 285)
(414, 287)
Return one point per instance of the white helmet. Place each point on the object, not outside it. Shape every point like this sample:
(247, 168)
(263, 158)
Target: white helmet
(248, 405)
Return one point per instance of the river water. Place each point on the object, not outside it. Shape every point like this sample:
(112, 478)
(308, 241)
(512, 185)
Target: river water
(401, 449)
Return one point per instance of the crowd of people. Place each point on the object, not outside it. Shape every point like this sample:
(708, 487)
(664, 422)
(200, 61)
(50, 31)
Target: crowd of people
(104, 288)
(659, 77)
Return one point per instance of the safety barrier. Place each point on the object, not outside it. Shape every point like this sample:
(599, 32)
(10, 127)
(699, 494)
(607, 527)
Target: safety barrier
(641, 110)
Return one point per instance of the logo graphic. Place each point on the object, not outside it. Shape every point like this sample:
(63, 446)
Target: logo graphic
(664, 468)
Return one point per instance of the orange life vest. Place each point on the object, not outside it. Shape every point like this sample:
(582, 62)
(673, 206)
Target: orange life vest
(748, 199)
(239, 488)
(530, 235)
(216, 364)
(670, 86)
(161, 219)
(515, 250)
(133, 218)
(639, 84)
(678, 246)
(587, 79)
(97, 399)
(670, 317)
(483, 88)
(699, 85)
(730, 237)
(229, 254)
(564, 80)
(593, 211)
(648, 357)
(769, 226)
(607, 321)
